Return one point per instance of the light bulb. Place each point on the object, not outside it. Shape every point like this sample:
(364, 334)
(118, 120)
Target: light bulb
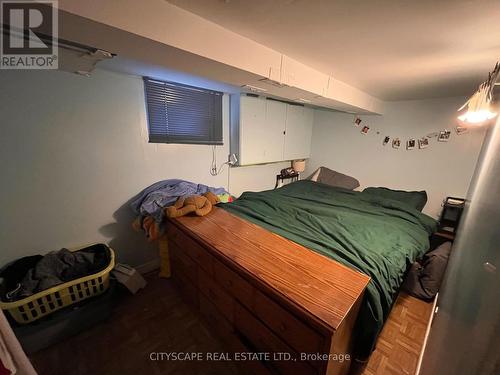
(477, 117)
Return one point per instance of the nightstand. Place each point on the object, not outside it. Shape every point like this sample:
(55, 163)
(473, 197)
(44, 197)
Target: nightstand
(450, 217)
(280, 179)
(448, 221)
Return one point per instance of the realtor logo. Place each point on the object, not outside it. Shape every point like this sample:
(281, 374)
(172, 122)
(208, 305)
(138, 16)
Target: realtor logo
(29, 35)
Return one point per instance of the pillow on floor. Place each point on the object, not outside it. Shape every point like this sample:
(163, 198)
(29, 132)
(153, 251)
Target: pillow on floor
(333, 178)
(416, 199)
(424, 279)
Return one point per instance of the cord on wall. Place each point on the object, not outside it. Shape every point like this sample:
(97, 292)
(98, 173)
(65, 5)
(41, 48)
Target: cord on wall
(214, 171)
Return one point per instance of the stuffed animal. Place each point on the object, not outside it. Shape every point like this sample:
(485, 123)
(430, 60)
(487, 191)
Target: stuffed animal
(149, 226)
(199, 204)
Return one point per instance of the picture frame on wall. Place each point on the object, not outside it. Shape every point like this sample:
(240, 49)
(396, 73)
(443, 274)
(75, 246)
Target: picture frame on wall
(410, 144)
(396, 143)
(357, 121)
(423, 142)
(365, 129)
(386, 140)
(444, 135)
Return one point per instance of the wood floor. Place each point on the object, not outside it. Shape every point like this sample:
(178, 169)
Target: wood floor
(157, 320)
(399, 344)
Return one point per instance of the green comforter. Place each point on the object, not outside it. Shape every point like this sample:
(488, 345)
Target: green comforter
(377, 236)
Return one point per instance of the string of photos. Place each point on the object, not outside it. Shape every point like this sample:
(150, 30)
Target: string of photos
(412, 143)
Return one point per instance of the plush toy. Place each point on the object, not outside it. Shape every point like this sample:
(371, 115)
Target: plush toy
(199, 204)
(149, 226)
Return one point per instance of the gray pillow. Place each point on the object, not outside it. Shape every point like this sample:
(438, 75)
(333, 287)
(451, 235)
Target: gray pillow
(333, 178)
(424, 279)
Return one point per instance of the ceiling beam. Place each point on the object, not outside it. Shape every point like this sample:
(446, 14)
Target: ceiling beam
(161, 33)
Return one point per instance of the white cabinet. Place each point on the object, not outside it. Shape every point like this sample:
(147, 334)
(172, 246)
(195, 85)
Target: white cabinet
(261, 124)
(265, 130)
(298, 132)
(298, 75)
(251, 128)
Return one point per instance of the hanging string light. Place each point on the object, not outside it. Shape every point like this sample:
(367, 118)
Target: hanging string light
(479, 107)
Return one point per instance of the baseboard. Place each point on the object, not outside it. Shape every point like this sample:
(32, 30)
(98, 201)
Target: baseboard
(427, 332)
(150, 266)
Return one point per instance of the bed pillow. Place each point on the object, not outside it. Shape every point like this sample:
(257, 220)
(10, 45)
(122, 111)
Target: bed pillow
(416, 199)
(333, 178)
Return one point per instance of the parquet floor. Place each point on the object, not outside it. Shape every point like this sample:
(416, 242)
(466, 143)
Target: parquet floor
(157, 320)
(154, 320)
(399, 344)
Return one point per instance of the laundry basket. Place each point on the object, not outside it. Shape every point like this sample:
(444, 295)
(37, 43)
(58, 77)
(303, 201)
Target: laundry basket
(38, 305)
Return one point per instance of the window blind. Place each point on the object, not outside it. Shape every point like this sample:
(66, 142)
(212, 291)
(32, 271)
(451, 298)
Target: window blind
(179, 113)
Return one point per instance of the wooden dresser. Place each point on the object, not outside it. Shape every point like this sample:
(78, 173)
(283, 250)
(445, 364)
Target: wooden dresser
(264, 294)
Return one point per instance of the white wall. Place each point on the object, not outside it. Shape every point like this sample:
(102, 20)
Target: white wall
(442, 169)
(74, 151)
(255, 177)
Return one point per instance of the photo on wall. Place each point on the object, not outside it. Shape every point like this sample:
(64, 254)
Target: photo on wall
(357, 121)
(396, 143)
(410, 144)
(423, 142)
(365, 129)
(444, 135)
(386, 140)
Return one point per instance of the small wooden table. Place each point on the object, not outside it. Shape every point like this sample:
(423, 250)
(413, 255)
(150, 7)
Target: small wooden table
(281, 178)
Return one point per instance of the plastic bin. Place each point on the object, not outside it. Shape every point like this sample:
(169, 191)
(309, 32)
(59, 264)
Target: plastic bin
(38, 305)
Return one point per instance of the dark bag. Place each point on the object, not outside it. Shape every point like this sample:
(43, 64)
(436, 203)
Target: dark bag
(424, 279)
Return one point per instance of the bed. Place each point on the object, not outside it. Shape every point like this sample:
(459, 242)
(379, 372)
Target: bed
(352, 248)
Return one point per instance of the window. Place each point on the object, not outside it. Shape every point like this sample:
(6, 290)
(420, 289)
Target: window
(179, 113)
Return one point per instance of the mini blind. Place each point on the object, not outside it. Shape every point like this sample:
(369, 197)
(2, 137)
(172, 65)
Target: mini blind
(180, 113)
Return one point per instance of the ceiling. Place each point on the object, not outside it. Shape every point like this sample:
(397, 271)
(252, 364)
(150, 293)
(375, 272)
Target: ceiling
(392, 49)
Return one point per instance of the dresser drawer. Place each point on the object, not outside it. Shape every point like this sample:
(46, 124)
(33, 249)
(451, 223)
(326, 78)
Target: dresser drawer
(188, 291)
(223, 301)
(192, 249)
(233, 283)
(184, 264)
(225, 332)
(262, 340)
(214, 317)
(295, 332)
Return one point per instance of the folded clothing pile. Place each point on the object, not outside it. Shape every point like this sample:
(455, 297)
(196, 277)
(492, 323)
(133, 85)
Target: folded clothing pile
(33, 274)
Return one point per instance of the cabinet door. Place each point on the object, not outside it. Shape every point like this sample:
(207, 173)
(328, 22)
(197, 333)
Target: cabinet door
(299, 123)
(296, 74)
(262, 124)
